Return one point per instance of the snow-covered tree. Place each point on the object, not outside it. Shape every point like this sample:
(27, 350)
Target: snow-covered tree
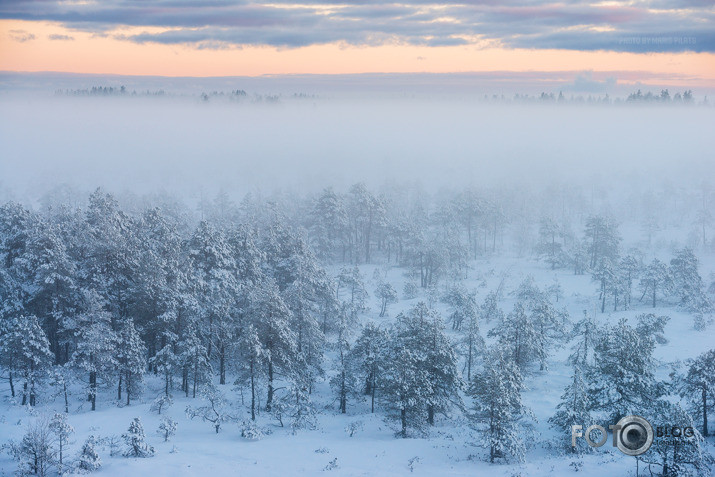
(88, 459)
(251, 363)
(698, 387)
(465, 317)
(271, 318)
(499, 413)
(387, 295)
(351, 291)
(368, 360)
(62, 430)
(603, 239)
(690, 458)
(95, 343)
(622, 379)
(134, 440)
(422, 378)
(131, 357)
(655, 280)
(518, 337)
(167, 428)
(25, 352)
(215, 410)
(36, 453)
(574, 409)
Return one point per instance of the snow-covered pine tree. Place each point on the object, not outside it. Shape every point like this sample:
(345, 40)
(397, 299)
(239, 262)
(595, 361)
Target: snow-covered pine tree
(422, 378)
(251, 363)
(367, 360)
(387, 295)
(655, 280)
(88, 460)
(622, 379)
(499, 412)
(698, 387)
(131, 357)
(689, 286)
(354, 295)
(271, 318)
(167, 428)
(215, 410)
(134, 439)
(518, 337)
(689, 458)
(26, 352)
(94, 342)
(465, 317)
(329, 226)
(62, 430)
(574, 409)
(193, 359)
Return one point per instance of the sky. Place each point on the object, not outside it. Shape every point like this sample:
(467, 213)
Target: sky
(651, 41)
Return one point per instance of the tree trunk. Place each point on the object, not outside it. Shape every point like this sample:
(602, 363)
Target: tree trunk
(253, 394)
(705, 412)
(222, 364)
(269, 396)
(403, 420)
(119, 388)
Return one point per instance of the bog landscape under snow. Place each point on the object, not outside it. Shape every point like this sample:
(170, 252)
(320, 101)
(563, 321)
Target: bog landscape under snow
(297, 284)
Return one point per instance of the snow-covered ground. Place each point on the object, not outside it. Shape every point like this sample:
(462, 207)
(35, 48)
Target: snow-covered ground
(450, 449)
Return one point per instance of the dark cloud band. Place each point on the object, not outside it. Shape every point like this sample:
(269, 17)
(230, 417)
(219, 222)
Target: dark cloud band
(645, 26)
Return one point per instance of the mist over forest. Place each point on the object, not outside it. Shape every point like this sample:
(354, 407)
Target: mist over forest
(358, 284)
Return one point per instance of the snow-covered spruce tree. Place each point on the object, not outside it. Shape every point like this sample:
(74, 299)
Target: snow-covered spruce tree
(131, 357)
(689, 458)
(698, 387)
(88, 460)
(62, 430)
(499, 412)
(94, 343)
(367, 360)
(622, 379)
(26, 353)
(167, 428)
(134, 439)
(518, 337)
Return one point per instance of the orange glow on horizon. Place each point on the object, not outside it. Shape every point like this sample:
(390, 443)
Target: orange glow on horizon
(88, 53)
